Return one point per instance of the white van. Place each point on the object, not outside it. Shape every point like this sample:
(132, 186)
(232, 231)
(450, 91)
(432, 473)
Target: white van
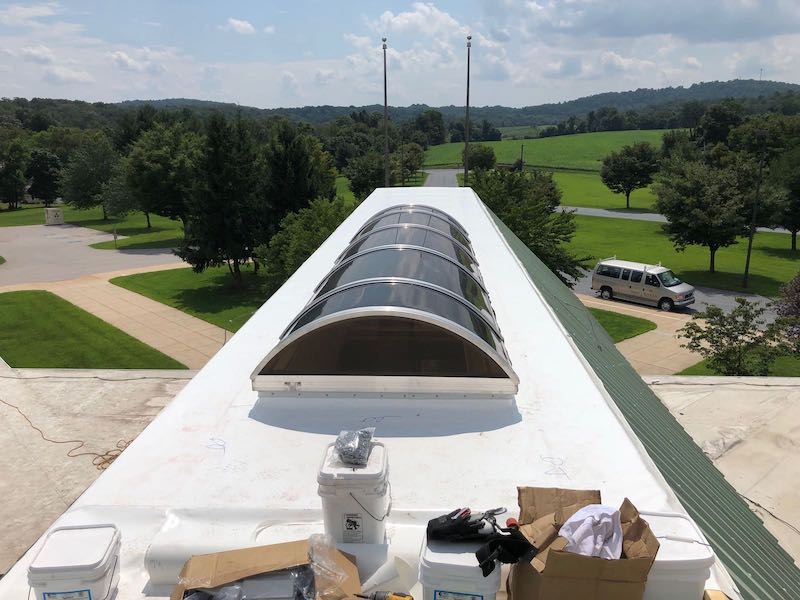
(647, 284)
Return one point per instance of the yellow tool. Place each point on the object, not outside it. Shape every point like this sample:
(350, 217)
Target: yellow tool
(386, 596)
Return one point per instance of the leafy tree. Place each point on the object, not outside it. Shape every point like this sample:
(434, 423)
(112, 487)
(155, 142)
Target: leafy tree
(13, 163)
(717, 122)
(224, 210)
(82, 180)
(63, 141)
(118, 198)
(678, 144)
(365, 174)
(431, 123)
(132, 124)
(299, 235)
(297, 170)
(529, 204)
(788, 309)
(786, 174)
(161, 170)
(691, 112)
(480, 156)
(410, 157)
(44, 172)
(629, 169)
(702, 204)
(738, 343)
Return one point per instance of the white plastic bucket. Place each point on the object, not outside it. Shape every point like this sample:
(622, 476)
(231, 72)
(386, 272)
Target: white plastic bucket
(355, 500)
(450, 571)
(77, 563)
(684, 560)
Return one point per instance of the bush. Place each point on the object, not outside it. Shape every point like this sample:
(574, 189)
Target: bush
(480, 157)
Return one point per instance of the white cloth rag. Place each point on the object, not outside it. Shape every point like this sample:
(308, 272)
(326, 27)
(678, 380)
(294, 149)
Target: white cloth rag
(594, 530)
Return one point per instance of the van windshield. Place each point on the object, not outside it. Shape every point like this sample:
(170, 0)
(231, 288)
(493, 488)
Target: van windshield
(668, 279)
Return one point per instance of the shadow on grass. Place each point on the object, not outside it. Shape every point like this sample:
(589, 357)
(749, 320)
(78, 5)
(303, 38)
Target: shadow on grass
(784, 253)
(731, 283)
(631, 211)
(127, 246)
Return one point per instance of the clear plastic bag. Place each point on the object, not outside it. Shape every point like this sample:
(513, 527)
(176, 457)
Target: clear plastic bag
(354, 447)
(323, 577)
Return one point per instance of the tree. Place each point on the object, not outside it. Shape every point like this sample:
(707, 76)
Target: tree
(786, 174)
(161, 169)
(82, 180)
(690, 114)
(44, 172)
(629, 169)
(13, 163)
(702, 204)
(411, 158)
(788, 309)
(299, 235)
(529, 204)
(297, 170)
(431, 123)
(717, 122)
(738, 343)
(480, 156)
(365, 174)
(225, 208)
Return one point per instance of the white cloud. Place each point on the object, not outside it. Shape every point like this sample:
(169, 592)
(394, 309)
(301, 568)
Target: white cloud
(65, 75)
(425, 19)
(270, 29)
(290, 85)
(39, 54)
(691, 62)
(18, 15)
(126, 63)
(613, 62)
(239, 26)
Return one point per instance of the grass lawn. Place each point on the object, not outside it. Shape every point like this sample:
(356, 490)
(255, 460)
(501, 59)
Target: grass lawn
(40, 330)
(621, 327)
(587, 189)
(582, 151)
(784, 366)
(772, 264)
(518, 132)
(343, 189)
(209, 295)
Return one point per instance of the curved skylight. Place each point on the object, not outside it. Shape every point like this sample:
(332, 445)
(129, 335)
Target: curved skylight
(404, 309)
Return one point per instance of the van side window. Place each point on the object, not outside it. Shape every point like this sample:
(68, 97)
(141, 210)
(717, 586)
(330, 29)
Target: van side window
(652, 280)
(607, 271)
(625, 274)
(636, 276)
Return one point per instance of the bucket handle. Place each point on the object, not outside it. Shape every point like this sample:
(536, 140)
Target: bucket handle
(388, 510)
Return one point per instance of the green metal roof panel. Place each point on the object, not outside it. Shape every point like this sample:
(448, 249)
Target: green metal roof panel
(750, 553)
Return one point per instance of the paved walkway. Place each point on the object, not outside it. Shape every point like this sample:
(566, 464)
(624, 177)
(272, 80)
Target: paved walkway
(442, 177)
(633, 214)
(36, 253)
(185, 338)
(657, 352)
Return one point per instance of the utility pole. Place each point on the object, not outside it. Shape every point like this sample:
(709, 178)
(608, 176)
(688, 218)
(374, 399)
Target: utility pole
(466, 121)
(385, 122)
(761, 136)
(522, 157)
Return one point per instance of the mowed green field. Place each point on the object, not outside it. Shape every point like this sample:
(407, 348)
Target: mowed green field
(40, 330)
(583, 151)
(518, 132)
(621, 327)
(587, 189)
(772, 264)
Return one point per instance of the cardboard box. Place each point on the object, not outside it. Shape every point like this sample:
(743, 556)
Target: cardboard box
(555, 574)
(220, 568)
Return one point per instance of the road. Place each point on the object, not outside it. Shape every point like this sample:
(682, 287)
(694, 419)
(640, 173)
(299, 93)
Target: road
(634, 215)
(442, 177)
(39, 253)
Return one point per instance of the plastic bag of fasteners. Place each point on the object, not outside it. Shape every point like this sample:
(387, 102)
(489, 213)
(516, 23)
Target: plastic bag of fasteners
(354, 447)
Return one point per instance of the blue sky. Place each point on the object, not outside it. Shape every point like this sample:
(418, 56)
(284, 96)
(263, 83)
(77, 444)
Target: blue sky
(277, 53)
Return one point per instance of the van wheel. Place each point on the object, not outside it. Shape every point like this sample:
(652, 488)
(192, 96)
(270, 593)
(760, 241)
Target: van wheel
(665, 304)
(605, 293)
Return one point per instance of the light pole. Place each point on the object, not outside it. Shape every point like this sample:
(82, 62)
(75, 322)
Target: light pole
(466, 120)
(385, 122)
(761, 137)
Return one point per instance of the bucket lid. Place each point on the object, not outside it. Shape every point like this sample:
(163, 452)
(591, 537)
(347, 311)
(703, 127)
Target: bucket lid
(682, 545)
(334, 472)
(83, 549)
(449, 560)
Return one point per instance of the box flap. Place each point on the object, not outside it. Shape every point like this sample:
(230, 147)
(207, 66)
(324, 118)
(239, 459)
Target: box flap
(535, 503)
(219, 568)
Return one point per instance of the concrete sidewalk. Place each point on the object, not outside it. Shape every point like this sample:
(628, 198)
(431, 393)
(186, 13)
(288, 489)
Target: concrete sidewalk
(177, 334)
(657, 352)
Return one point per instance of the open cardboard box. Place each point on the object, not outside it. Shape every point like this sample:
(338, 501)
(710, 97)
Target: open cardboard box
(220, 568)
(555, 574)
